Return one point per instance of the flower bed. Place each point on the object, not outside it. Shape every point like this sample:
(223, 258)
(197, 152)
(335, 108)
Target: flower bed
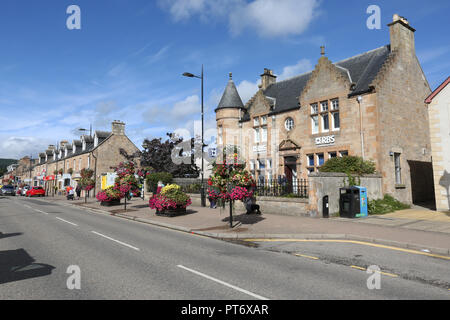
(109, 196)
(171, 201)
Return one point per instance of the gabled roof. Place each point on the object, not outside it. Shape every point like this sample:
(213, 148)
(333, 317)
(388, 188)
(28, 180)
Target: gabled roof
(102, 134)
(430, 98)
(360, 70)
(363, 68)
(230, 97)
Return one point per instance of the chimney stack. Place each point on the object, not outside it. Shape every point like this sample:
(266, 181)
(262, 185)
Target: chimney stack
(267, 78)
(402, 35)
(118, 128)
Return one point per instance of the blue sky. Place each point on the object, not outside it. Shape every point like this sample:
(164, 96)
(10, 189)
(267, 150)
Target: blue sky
(126, 61)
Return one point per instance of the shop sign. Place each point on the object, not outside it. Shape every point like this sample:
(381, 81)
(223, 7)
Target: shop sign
(326, 140)
(260, 148)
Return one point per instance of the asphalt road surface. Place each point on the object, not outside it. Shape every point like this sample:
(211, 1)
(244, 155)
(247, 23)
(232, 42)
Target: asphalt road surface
(47, 250)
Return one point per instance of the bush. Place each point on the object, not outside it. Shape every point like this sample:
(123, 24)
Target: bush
(153, 178)
(349, 165)
(386, 205)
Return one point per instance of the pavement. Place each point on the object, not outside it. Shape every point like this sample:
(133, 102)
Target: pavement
(418, 228)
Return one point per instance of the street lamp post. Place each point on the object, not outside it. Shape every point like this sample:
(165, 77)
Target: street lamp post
(203, 198)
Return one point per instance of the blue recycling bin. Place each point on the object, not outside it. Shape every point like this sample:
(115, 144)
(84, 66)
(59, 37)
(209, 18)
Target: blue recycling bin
(353, 202)
(363, 212)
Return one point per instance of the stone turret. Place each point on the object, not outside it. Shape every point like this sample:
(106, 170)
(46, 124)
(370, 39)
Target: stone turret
(228, 114)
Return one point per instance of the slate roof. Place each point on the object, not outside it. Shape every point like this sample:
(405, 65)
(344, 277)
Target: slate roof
(102, 134)
(364, 68)
(361, 70)
(230, 98)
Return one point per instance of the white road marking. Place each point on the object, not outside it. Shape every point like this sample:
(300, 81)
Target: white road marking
(40, 211)
(122, 243)
(67, 221)
(224, 283)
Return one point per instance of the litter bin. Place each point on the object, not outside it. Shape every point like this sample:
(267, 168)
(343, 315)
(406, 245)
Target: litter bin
(348, 202)
(353, 202)
(362, 202)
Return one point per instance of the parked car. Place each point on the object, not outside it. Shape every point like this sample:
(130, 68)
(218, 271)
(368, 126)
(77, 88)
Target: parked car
(36, 192)
(24, 190)
(8, 190)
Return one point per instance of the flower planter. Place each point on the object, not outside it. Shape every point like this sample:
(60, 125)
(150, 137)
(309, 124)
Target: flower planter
(171, 212)
(111, 203)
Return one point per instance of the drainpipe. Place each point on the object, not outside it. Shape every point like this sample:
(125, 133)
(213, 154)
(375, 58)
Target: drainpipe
(359, 99)
(95, 172)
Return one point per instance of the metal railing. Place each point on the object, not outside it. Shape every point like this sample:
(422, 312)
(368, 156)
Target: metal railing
(294, 188)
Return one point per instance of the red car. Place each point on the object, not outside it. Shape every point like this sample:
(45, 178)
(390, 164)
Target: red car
(36, 191)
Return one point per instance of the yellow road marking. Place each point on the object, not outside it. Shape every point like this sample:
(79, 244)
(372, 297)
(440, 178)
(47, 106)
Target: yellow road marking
(360, 268)
(305, 256)
(382, 272)
(354, 242)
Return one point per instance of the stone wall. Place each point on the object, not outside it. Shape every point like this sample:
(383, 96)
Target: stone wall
(439, 111)
(269, 205)
(327, 184)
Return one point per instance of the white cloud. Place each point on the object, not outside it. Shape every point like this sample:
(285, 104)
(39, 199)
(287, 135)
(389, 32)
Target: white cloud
(272, 18)
(304, 65)
(187, 107)
(16, 147)
(158, 55)
(269, 18)
(247, 89)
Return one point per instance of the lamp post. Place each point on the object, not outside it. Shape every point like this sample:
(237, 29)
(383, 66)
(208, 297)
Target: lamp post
(203, 198)
(145, 147)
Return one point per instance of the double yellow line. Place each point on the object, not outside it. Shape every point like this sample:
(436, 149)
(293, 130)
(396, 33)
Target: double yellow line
(353, 242)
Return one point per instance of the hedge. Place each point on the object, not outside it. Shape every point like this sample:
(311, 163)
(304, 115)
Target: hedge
(153, 178)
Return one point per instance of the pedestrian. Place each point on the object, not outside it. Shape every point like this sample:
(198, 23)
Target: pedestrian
(250, 202)
(78, 191)
(159, 187)
(251, 206)
(71, 193)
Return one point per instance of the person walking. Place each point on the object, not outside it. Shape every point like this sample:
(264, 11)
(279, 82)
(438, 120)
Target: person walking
(78, 191)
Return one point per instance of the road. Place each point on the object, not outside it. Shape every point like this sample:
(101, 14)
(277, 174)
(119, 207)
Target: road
(121, 259)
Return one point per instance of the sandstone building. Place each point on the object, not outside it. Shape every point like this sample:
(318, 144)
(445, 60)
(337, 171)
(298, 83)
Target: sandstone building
(439, 114)
(370, 105)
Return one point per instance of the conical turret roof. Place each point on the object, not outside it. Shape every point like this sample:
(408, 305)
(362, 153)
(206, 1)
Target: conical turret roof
(230, 98)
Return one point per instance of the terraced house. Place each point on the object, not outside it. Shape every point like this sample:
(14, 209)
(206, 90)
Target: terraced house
(60, 166)
(370, 105)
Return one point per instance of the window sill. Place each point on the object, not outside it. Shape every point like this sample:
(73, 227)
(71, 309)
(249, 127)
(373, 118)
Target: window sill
(400, 186)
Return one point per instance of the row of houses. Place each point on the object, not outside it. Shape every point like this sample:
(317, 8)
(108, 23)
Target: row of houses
(60, 165)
